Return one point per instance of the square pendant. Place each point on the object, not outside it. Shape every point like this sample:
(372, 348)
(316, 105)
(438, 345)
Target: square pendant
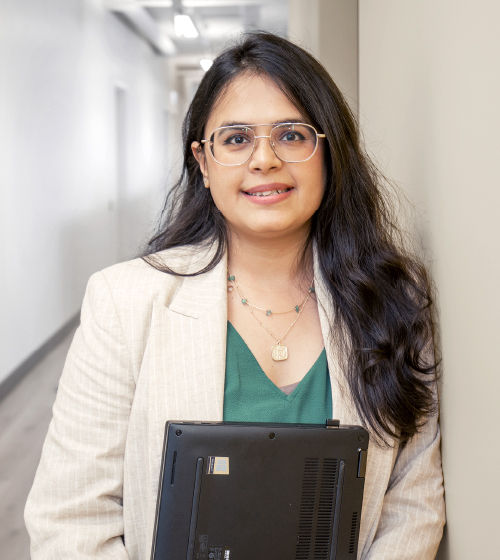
(279, 352)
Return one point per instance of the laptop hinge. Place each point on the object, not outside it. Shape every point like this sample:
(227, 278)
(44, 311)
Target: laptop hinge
(332, 423)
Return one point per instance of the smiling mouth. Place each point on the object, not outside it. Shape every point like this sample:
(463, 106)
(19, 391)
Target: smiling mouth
(268, 193)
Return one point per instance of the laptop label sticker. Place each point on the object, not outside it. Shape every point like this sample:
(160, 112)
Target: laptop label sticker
(218, 553)
(218, 465)
(202, 553)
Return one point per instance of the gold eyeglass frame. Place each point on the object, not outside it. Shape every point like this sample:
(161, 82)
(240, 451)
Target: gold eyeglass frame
(251, 126)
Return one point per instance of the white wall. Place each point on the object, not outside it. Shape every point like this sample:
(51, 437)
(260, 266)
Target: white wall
(60, 208)
(429, 102)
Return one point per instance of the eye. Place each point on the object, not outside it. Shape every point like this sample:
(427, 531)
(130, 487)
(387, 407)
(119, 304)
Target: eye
(236, 139)
(291, 136)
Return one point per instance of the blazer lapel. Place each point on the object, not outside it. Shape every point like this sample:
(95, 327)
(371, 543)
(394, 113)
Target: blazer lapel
(186, 357)
(342, 406)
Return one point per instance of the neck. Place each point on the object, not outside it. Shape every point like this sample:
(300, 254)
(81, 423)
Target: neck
(271, 262)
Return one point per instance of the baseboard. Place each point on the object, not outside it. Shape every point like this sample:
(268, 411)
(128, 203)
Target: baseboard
(15, 377)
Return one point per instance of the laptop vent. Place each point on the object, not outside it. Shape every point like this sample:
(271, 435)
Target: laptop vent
(317, 510)
(325, 509)
(354, 528)
(307, 506)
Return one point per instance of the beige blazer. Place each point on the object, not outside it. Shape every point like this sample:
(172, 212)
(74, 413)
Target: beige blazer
(151, 347)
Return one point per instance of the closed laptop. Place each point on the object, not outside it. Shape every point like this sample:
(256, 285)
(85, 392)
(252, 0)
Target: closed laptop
(234, 491)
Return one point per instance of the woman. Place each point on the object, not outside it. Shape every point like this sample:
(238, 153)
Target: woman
(277, 266)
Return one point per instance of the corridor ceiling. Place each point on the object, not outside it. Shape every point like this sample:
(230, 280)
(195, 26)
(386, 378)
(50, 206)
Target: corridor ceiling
(216, 21)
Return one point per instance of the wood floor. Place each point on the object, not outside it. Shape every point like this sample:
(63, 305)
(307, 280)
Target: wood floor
(24, 418)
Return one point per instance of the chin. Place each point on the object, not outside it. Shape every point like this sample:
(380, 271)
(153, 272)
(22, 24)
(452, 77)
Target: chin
(275, 230)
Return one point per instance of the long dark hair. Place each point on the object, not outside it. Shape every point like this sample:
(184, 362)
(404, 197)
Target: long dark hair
(380, 292)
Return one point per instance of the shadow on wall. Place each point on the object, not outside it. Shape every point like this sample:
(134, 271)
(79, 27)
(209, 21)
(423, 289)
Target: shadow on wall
(444, 549)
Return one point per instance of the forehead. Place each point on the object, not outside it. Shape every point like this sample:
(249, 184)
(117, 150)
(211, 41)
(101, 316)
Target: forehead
(252, 99)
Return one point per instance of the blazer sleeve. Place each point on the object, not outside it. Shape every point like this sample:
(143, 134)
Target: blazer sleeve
(74, 509)
(413, 511)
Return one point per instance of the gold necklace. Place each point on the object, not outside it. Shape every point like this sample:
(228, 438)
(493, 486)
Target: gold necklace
(279, 352)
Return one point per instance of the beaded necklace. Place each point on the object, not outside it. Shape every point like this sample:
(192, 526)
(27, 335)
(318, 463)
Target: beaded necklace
(279, 352)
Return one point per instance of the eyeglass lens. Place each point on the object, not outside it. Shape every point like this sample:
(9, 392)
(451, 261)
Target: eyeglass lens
(233, 145)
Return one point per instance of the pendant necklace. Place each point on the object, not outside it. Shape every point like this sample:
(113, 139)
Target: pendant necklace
(279, 352)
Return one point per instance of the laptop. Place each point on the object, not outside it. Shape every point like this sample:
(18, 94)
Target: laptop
(260, 491)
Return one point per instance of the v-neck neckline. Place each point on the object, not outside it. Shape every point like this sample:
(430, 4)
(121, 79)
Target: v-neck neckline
(301, 383)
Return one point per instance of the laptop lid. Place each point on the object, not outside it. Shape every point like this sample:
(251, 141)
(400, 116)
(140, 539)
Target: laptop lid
(235, 491)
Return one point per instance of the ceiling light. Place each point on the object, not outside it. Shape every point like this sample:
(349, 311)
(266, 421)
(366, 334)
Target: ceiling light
(184, 26)
(205, 63)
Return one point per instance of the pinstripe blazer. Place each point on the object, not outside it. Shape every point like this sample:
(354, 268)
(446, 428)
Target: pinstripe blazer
(151, 347)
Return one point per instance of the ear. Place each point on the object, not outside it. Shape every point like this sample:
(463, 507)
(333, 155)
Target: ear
(199, 154)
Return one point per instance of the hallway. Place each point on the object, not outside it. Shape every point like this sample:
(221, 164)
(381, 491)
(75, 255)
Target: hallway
(24, 418)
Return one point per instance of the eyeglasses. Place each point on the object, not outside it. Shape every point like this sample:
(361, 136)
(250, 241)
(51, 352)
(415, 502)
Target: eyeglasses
(291, 142)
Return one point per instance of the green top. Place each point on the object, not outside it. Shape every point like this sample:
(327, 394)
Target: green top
(250, 396)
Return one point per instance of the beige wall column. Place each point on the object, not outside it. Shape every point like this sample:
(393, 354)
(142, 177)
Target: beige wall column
(329, 30)
(429, 91)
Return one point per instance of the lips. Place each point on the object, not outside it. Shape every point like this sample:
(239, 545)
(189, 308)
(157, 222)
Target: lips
(270, 194)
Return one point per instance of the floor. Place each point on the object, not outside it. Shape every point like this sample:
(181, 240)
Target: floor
(24, 418)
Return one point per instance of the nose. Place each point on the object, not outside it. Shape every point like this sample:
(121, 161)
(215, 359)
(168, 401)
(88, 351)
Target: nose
(263, 157)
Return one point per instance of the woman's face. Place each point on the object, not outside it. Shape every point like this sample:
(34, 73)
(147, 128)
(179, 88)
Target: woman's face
(252, 99)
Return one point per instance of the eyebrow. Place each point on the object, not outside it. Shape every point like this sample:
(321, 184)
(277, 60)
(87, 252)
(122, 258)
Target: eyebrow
(239, 123)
